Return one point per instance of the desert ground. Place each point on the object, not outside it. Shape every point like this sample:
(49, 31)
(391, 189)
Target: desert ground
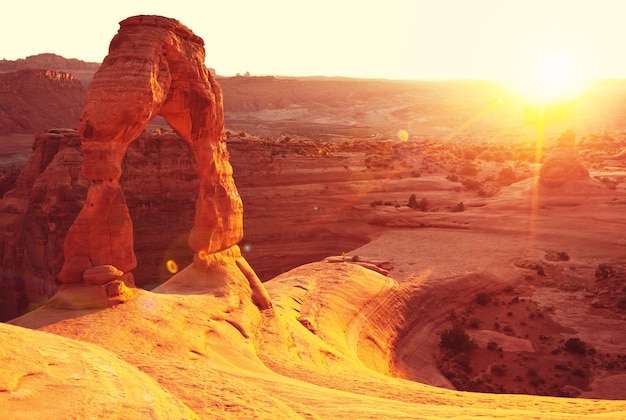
(421, 275)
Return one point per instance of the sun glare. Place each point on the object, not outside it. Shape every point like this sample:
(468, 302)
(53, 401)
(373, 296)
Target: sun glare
(553, 76)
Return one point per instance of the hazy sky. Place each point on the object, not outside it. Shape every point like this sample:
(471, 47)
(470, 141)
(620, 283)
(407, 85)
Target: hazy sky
(420, 39)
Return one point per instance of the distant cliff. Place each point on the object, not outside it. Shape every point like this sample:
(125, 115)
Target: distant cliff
(34, 100)
(81, 69)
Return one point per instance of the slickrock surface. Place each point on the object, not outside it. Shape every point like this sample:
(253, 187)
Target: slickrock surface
(328, 348)
(56, 377)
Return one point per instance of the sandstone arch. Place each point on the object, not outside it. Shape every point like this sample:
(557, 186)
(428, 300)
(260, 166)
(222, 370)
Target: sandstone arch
(155, 66)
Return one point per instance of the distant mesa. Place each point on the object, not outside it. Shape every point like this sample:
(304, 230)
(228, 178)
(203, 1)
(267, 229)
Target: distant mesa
(46, 61)
(83, 70)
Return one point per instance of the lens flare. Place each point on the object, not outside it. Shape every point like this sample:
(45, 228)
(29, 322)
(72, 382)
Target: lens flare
(172, 267)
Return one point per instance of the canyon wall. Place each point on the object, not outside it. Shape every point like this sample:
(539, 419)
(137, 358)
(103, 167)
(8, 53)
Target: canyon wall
(160, 185)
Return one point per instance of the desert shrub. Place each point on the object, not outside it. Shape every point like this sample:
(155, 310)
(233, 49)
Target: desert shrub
(621, 303)
(580, 373)
(604, 271)
(456, 339)
(422, 205)
(453, 178)
(473, 323)
(468, 170)
(556, 256)
(482, 298)
(576, 345)
(464, 361)
(487, 192)
(499, 369)
(458, 208)
(492, 345)
(506, 176)
(471, 184)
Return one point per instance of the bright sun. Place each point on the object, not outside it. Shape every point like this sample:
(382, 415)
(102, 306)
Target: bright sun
(549, 77)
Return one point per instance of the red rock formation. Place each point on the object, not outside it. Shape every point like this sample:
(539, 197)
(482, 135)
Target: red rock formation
(155, 67)
(563, 165)
(160, 185)
(34, 218)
